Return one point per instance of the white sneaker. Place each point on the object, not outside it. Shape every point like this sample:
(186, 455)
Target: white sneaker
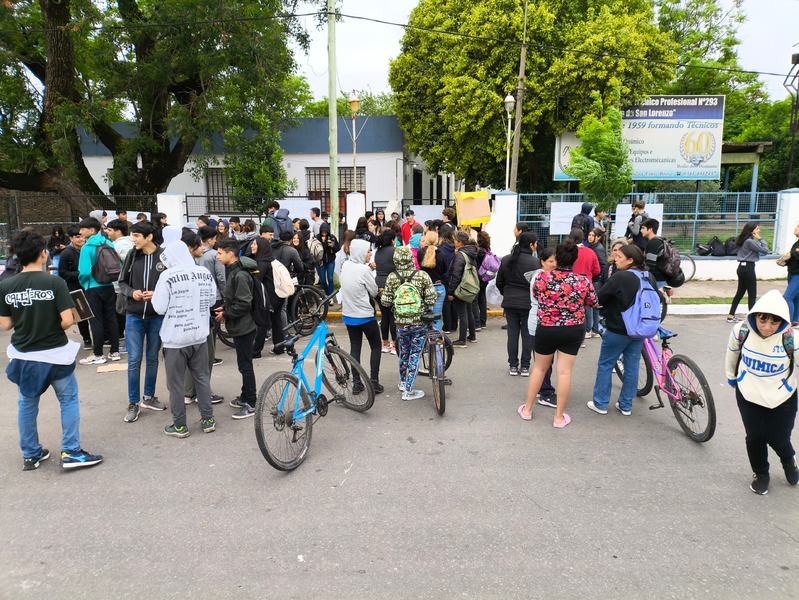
(92, 360)
(413, 395)
(114, 356)
(393, 350)
(626, 413)
(189, 399)
(386, 349)
(401, 386)
(602, 411)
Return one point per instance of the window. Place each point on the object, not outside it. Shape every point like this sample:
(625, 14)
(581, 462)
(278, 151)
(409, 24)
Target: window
(318, 180)
(216, 184)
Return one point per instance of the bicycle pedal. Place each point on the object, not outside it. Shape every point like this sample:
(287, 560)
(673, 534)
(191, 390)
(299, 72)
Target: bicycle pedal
(655, 406)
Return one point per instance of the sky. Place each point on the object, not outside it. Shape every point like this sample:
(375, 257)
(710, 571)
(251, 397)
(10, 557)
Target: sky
(364, 49)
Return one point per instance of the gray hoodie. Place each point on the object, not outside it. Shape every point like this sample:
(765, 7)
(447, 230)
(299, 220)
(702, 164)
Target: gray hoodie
(184, 295)
(357, 282)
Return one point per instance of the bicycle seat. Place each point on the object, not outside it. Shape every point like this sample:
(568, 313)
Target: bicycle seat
(430, 317)
(287, 344)
(665, 334)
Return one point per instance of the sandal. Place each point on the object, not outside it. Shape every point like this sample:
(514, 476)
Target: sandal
(521, 414)
(566, 420)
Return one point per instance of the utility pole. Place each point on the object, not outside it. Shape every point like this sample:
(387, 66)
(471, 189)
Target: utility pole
(332, 115)
(792, 85)
(517, 131)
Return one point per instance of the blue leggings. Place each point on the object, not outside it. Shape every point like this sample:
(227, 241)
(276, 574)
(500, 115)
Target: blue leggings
(411, 341)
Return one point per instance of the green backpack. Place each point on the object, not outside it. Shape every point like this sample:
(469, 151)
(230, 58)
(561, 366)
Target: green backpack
(469, 286)
(407, 300)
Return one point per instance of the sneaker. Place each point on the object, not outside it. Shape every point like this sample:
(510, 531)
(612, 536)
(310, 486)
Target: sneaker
(791, 471)
(602, 411)
(626, 413)
(472, 340)
(79, 459)
(759, 484)
(237, 402)
(459, 344)
(513, 371)
(152, 403)
(177, 431)
(245, 412)
(114, 356)
(29, 464)
(217, 399)
(478, 328)
(133, 413)
(87, 344)
(525, 372)
(549, 401)
(393, 350)
(123, 349)
(377, 387)
(413, 395)
(357, 388)
(208, 425)
(386, 348)
(189, 399)
(735, 320)
(401, 386)
(589, 335)
(218, 361)
(92, 360)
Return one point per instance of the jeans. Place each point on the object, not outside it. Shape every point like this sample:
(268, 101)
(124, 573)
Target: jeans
(103, 301)
(66, 390)
(243, 345)
(465, 319)
(592, 320)
(517, 326)
(438, 307)
(325, 272)
(371, 331)
(747, 284)
(141, 331)
(791, 296)
(613, 346)
(767, 427)
(480, 306)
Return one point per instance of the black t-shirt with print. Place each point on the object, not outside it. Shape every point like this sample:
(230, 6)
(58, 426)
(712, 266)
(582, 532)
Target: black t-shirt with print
(34, 300)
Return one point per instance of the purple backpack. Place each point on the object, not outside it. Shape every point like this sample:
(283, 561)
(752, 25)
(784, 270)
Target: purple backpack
(488, 270)
(642, 319)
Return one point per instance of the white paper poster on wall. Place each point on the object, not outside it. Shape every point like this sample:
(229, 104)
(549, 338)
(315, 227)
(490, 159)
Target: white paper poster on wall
(299, 208)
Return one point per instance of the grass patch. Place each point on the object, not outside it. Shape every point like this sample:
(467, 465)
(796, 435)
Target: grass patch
(709, 300)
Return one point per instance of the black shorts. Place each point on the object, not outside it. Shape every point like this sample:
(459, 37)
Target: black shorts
(548, 340)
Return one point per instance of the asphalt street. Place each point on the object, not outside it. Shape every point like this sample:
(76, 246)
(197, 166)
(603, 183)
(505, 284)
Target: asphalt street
(399, 502)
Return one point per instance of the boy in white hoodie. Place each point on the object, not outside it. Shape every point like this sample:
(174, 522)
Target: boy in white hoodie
(184, 295)
(760, 366)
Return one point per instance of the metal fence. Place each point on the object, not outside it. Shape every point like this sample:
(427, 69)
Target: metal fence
(688, 218)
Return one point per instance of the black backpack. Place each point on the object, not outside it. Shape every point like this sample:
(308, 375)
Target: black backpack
(260, 299)
(730, 247)
(107, 266)
(669, 261)
(703, 249)
(580, 222)
(716, 247)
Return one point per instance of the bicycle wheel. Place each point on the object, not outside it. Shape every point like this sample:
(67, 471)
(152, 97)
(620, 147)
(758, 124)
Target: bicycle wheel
(302, 305)
(424, 367)
(437, 379)
(340, 374)
(283, 442)
(688, 266)
(223, 336)
(694, 407)
(646, 376)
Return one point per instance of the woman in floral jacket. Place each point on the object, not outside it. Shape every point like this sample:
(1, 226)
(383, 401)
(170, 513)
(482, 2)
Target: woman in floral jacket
(562, 297)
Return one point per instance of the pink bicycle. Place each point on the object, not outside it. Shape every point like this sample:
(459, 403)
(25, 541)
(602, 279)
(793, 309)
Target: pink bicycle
(681, 381)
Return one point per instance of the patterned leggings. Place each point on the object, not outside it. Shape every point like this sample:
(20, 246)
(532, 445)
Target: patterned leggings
(411, 341)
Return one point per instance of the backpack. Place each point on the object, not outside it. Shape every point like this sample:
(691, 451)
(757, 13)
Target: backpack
(703, 249)
(407, 299)
(580, 222)
(279, 222)
(107, 266)
(469, 286)
(284, 284)
(488, 270)
(642, 319)
(730, 247)
(260, 299)
(787, 343)
(316, 249)
(716, 247)
(669, 261)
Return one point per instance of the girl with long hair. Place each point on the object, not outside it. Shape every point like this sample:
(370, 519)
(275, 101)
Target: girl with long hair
(432, 262)
(750, 247)
(383, 261)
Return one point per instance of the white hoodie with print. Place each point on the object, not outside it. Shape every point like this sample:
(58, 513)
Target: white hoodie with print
(357, 282)
(184, 295)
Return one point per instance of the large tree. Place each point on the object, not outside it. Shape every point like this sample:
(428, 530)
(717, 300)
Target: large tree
(177, 72)
(449, 88)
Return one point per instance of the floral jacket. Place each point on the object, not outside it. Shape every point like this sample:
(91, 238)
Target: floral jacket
(562, 297)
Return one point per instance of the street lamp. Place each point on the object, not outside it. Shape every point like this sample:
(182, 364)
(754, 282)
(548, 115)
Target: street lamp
(355, 104)
(510, 102)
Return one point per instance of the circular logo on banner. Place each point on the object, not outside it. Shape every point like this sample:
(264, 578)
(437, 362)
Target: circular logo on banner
(697, 147)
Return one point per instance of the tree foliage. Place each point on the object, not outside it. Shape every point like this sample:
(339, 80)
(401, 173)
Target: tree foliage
(449, 90)
(177, 71)
(372, 104)
(602, 162)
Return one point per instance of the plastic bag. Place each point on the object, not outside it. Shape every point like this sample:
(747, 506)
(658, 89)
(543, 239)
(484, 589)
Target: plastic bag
(493, 297)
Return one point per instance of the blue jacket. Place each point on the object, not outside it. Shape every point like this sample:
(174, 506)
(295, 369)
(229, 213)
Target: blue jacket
(88, 255)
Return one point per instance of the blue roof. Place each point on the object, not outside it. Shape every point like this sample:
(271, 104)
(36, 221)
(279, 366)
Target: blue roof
(377, 134)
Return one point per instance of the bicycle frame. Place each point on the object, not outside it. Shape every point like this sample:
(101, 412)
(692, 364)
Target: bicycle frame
(435, 343)
(659, 361)
(318, 341)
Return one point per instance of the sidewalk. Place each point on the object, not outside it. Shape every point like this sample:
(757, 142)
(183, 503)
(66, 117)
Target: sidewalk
(697, 290)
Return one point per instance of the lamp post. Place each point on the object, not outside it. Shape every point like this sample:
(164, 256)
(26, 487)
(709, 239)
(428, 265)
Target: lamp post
(355, 104)
(792, 85)
(510, 102)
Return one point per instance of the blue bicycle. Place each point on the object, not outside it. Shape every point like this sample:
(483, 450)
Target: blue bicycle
(288, 406)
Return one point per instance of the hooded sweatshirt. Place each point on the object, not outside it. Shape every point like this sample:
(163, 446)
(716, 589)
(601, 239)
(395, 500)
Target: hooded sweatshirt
(761, 368)
(141, 272)
(357, 283)
(184, 295)
(88, 255)
(403, 260)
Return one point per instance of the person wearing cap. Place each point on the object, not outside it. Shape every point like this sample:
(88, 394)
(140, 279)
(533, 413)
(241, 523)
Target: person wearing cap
(407, 226)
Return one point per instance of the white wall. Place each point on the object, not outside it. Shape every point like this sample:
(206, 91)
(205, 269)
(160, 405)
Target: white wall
(184, 183)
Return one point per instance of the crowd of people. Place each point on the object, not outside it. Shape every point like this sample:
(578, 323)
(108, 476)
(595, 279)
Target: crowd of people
(164, 290)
